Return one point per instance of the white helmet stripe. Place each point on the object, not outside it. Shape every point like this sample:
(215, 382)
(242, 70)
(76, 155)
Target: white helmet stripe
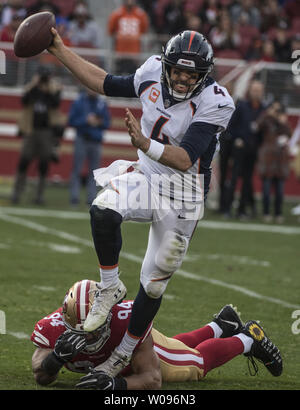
(82, 300)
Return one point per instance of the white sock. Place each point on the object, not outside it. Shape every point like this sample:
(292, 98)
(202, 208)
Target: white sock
(109, 277)
(216, 328)
(128, 344)
(246, 340)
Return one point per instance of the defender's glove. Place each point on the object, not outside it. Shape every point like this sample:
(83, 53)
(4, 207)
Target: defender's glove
(67, 346)
(101, 381)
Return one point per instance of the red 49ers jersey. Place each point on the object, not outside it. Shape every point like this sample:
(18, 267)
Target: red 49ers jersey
(48, 329)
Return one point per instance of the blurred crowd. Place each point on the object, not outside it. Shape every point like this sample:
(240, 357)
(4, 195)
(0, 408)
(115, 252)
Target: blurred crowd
(73, 20)
(258, 136)
(267, 30)
(250, 29)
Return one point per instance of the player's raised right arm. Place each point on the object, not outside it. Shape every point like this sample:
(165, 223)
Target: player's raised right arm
(87, 73)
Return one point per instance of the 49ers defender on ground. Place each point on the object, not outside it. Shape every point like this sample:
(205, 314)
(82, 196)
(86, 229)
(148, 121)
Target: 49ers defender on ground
(61, 341)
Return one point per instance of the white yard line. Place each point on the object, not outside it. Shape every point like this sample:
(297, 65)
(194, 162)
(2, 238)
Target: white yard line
(56, 247)
(217, 282)
(44, 213)
(44, 288)
(73, 238)
(243, 260)
(19, 335)
(237, 226)
(44, 229)
(4, 246)
(234, 226)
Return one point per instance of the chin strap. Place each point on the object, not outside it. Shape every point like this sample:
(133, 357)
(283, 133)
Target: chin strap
(188, 94)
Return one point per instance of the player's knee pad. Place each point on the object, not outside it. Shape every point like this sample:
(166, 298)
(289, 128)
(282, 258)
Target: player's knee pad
(156, 286)
(167, 260)
(105, 219)
(171, 252)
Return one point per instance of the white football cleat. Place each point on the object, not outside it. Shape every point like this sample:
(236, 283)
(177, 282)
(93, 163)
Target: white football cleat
(105, 299)
(114, 364)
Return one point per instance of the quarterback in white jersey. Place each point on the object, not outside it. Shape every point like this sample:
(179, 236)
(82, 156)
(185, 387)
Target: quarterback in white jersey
(184, 109)
(168, 123)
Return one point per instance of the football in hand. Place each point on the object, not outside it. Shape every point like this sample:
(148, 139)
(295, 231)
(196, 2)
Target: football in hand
(34, 34)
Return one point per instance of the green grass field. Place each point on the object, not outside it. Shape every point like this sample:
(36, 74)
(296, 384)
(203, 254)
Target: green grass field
(42, 253)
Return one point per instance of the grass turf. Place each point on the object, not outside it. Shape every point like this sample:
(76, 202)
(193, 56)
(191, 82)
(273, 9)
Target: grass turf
(257, 271)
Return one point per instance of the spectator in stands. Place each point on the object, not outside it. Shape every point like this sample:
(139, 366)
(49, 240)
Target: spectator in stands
(8, 31)
(254, 51)
(294, 148)
(43, 5)
(245, 10)
(194, 23)
(66, 8)
(150, 8)
(7, 34)
(209, 14)
(271, 14)
(292, 9)
(12, 8)
(224, 35)
(40, 127)
(89, 115)
(282, 43)
(273, 158)
(83, 30)
(62, 26)
(173, 17)
(225, 159)
(261, 50)
(244, 131)
(126, 25)
(268, 51)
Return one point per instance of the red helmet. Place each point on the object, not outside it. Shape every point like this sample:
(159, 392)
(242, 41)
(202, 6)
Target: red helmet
(76, 306)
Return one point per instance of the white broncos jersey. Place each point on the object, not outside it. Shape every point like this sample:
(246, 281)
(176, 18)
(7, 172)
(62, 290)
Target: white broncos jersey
(168, 125)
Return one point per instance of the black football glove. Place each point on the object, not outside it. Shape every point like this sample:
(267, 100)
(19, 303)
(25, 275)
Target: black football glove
(68, 345)
(99, 380)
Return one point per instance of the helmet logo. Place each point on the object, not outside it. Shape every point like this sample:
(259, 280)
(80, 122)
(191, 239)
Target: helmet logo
(187, 63)
(210, 53)
(154, 94)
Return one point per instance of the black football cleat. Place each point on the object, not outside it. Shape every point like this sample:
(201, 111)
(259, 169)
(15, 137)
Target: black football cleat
(263, 349)
(228, 319)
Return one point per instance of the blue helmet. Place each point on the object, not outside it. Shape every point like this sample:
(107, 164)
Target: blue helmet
(188, 50)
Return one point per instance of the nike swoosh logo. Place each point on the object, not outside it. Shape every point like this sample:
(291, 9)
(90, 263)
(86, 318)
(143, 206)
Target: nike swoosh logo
(235, 324)
(222, 106)
(40, 327)
(108, 386)
(63, 354)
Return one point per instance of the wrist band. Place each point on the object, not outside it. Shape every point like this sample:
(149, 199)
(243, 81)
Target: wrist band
(155, 150)
(51, 364)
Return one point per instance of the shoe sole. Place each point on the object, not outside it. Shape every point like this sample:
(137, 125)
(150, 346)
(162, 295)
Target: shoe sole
(257, 333)
(93, 328)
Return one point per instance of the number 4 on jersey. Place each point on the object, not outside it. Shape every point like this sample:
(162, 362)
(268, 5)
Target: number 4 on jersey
(156, 133)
